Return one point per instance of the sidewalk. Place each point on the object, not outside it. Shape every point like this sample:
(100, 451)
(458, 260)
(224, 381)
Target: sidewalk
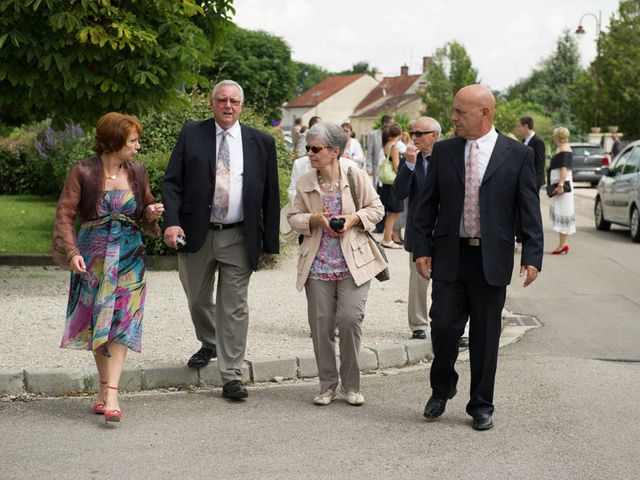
(279, 348)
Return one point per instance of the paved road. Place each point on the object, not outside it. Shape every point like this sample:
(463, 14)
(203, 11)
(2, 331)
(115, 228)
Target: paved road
(566, 401)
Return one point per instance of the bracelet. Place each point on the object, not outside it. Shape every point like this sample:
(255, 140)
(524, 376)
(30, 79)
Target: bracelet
(72, 254)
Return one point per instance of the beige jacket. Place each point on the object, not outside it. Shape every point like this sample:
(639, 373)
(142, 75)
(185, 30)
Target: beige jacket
(360, 252)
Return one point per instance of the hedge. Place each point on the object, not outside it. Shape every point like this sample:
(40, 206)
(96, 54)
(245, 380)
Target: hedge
(36, 159)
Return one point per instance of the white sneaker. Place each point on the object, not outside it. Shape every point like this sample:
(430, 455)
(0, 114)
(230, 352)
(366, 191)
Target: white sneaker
(324, 398)
(353, 398)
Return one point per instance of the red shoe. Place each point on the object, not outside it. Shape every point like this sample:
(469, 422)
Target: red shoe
(112, 415)
(563, 250)
(98, 408)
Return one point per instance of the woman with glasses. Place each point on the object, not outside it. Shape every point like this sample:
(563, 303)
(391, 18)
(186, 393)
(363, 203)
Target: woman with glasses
(337, 259)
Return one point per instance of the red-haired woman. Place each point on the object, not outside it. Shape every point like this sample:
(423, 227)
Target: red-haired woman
(110, 195)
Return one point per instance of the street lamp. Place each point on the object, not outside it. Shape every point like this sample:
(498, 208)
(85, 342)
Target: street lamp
(581, 31)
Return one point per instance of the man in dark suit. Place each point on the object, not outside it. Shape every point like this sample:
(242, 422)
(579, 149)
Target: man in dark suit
(221, 194)
(464, 224)
(409, 182)
(529, 138)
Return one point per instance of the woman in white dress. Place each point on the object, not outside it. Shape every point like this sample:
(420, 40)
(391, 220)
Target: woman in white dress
(561, 209)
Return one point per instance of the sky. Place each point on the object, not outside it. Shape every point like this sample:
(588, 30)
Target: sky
(505, 39)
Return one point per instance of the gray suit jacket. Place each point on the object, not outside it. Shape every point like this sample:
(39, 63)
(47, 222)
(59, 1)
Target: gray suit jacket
(374, 154)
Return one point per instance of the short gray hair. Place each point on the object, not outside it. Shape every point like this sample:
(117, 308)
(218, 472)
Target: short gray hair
(435, 126)
(227, 82)
(330, 134)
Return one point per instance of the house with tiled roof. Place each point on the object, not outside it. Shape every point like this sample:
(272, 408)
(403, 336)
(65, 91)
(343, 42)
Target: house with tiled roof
(334, 99)
(392, 96)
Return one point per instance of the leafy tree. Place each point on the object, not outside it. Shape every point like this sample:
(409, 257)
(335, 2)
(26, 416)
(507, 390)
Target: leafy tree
(262, 64)
(620, 69)
(359, 67)
(308, 75)
(451, 69)
(550, 85)
(76, 60)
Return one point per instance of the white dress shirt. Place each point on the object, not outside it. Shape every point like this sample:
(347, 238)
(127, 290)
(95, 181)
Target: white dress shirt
(236, 166)
(486, 145)
(529, 137)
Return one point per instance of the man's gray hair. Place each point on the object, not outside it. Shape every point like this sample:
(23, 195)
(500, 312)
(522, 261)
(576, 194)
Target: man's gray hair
(330, 134)
(435, 126)
(228, 82)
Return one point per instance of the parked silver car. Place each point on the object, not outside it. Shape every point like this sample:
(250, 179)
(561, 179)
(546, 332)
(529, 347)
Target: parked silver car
(618, 197)
(589, 160)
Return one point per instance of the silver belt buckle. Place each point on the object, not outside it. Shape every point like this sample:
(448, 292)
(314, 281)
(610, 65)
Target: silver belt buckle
(473, 242)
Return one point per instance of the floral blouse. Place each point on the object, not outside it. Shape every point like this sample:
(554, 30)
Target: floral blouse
(329, 263)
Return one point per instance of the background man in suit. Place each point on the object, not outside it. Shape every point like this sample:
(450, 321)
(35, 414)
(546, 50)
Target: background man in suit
(221, 192)
(409, 182)
(529, 137)
(464, 224)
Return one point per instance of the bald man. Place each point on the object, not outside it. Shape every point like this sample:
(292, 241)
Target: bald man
(476, 184)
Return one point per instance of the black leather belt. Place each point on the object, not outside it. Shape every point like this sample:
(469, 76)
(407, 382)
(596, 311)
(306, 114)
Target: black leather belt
(224, 226)
(470, 242)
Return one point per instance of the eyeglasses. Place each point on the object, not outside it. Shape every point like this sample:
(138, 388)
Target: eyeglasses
(314, 148)
(418, 133)
(233, 101)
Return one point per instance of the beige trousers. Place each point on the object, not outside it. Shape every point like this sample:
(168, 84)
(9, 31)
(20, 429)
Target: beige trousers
(334, 304)
(222, 324)
(417, 310)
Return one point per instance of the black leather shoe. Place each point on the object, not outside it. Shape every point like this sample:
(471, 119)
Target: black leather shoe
(419, 334)
(434, 408)
(463, 342)
(482, 421)
(202, 357)
(234, 390)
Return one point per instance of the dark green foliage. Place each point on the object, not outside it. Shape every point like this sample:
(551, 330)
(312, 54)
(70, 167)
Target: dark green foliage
(620, 70)
(307, 76)
(550, 85)
(451, 69)
(261, 63)
(74, 61)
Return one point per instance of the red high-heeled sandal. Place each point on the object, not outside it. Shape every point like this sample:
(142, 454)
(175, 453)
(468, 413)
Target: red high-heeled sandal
(112, 415)
(98, 407)
(560, 251)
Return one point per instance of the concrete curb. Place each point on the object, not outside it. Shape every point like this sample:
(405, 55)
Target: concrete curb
(63, 381)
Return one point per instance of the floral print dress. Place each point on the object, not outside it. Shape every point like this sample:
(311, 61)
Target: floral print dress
(106, 304)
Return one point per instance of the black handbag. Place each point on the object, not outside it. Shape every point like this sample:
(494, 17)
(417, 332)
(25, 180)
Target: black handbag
(384, 275)
(551, 189)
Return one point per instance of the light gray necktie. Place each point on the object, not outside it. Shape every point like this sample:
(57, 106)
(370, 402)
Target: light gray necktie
(472, 192)
(223, 181)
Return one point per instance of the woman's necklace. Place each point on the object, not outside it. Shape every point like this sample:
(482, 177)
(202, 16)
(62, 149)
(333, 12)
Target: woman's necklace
(327, 185)
(114, 176)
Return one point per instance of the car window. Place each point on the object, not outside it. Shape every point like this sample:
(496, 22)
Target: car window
(633, 164)
(618, 167)
(587, 150)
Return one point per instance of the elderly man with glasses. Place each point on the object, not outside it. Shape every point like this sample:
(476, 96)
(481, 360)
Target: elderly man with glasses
(409, 183)
(221, 196)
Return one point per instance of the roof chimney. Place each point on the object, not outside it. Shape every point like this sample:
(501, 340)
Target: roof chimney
(426, 63)
(404, 70)
(377, 74)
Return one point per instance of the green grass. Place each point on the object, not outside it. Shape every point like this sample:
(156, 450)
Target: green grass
(26, 223)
